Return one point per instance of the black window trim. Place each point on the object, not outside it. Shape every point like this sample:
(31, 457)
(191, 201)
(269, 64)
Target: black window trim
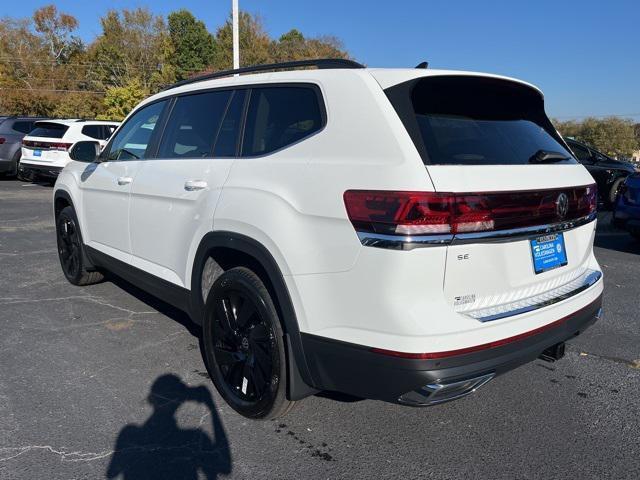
(158, 133)
(153, 141)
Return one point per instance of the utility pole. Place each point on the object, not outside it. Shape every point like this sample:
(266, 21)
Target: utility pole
(236, 35)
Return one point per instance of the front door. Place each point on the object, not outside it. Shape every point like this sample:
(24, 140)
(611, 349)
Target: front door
(106, 185)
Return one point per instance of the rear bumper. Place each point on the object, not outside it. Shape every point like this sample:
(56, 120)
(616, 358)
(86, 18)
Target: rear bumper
(42, 170)
(7, 165)
(358, 370)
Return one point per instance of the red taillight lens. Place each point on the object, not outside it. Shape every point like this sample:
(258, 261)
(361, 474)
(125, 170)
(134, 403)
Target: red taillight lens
(47, 145)
(406, 213)
(427, 213)
(60, 146)
(2, 140)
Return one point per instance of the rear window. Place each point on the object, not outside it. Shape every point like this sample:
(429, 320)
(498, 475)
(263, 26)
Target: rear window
(49, 130)
(477, 121)
(23, 126)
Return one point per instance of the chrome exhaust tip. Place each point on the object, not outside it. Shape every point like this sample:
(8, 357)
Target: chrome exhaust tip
(442, 391)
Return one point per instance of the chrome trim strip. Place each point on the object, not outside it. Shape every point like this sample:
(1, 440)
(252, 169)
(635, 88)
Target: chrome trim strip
(522, 233)
(408, 242)
(553, 296)
(402, 242)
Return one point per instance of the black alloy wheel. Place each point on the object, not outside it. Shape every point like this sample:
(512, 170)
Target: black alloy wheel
(244, 345)
(70, 250)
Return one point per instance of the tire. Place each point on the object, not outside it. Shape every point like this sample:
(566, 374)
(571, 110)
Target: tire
(244, 345)
(15, 160)
(613, 192)
(71, 250)
(29, 177)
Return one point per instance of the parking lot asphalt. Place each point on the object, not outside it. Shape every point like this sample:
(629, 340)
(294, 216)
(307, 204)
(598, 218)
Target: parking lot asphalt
(105, 381)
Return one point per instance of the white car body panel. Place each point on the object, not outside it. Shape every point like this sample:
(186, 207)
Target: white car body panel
(291, 202)
(165, 217)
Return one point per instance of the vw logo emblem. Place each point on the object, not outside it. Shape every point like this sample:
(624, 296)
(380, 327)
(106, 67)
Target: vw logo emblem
(562, 205)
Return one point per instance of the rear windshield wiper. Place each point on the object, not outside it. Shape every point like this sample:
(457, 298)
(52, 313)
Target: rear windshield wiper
(545, 156)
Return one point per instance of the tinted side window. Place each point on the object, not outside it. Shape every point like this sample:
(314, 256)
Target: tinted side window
(580, 152)
(193, 124)
(133, 139)
(93, 131)
(227, 141)
(23, 126)
(280, 116)
(108, 131)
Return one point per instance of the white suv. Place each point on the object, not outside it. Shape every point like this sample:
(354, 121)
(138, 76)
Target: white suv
(395, 234)
(45, 150)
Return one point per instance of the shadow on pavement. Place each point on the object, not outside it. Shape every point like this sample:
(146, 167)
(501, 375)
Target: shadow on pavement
(162, 307)
(160, 448)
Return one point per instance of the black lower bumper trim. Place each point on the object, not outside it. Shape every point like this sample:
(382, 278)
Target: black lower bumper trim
(358, 371)
(42, 170)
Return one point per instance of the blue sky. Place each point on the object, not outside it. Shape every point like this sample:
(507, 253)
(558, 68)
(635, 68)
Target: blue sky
(582, 53)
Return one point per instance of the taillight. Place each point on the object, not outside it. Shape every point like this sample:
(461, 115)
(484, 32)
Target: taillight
(47, 145)
(60, 146)
(436, 213)
(2, 140)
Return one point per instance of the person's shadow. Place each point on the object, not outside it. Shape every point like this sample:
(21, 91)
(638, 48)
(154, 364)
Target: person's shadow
(161, 449)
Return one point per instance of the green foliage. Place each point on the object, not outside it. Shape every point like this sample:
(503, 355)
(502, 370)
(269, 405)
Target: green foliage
(78, 105)
(193, 45)
(133, 44)
(613, 136)
(46, 70)
(294, 46)
(254, 43)
(119, 101)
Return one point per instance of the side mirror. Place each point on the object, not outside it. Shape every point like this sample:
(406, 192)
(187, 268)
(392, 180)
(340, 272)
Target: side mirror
(85, 151)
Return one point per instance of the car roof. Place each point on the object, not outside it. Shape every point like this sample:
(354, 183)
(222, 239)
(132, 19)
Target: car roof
(386, 77)
(74, 121)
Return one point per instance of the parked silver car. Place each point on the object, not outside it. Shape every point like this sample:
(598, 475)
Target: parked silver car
(12, 130)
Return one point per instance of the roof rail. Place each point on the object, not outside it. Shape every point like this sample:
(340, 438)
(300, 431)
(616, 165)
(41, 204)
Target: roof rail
(321, 63)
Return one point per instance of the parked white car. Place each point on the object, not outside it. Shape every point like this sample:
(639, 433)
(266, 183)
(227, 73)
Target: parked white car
(45, 150)
(395, 234)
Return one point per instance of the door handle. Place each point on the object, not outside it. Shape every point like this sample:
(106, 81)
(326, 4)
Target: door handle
(124, 180)
(192, 185)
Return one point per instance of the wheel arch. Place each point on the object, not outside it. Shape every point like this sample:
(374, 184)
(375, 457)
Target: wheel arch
(61, 199)
(229, 249)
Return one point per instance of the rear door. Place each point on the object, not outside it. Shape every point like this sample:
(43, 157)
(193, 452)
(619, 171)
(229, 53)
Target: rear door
(524, 206)
(106, 185)
(175, 193)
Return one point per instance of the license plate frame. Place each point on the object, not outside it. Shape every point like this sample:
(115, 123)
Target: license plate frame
(548, 252)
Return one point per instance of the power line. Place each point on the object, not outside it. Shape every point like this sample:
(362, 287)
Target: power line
(35, 90)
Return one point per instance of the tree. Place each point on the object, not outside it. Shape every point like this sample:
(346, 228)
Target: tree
(254, 43)
(193, 45)
(133, 44)
(35, 56)
(294, 46)
(78, 105)
(56, 30)
(613, 136)
(119, 101)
